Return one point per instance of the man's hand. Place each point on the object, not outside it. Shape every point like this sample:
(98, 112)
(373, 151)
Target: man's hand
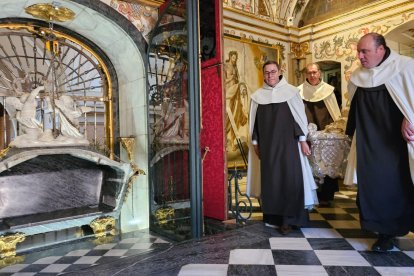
(305, 148)
(407, 130)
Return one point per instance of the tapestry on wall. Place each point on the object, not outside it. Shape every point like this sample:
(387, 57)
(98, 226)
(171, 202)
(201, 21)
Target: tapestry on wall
(243, 62)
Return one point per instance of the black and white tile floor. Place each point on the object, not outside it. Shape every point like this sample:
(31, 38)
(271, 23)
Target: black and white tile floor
(333, 244)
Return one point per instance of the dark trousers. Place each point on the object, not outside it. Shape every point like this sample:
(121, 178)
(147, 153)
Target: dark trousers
(327, 190)
(300, 220)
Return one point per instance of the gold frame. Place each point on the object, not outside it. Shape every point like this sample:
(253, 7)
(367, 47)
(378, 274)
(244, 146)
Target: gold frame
(278, 48)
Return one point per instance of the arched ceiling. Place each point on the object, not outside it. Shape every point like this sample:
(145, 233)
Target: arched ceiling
(295, 11)
(302, 13)
(319, 10)
(403, 34)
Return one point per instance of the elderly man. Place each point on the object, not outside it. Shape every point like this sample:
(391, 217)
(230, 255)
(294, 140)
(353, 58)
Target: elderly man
(381, 93)
(321, 109)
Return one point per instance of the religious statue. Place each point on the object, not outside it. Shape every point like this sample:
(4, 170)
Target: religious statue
(67, 114)
(32, 111)
(170, 128)
(25, 107)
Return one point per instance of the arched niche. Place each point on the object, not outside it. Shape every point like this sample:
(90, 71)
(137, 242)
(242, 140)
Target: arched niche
(401, 39)
(125, 46)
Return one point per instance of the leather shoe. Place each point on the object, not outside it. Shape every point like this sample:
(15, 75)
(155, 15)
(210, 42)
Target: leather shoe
(384, 243)
(285, 229)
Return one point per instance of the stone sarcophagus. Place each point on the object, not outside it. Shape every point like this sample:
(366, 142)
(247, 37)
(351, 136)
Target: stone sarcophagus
(330, 148)
(57, 189)
(54, 184)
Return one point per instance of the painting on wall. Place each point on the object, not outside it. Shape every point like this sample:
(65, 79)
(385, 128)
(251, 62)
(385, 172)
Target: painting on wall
(244, 5)
(243, 62)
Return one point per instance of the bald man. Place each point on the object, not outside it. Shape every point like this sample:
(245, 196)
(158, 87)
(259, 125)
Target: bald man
(321, 109)
(382, 96)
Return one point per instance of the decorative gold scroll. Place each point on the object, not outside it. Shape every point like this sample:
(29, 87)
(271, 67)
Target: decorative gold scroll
(8, 244)
(50, 12)
(164, 214)
(299, 49)
(128, 143)
(103, 225)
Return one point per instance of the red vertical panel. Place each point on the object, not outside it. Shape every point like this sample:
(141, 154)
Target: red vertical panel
(175, 166)
(212, 136)
(212, 128)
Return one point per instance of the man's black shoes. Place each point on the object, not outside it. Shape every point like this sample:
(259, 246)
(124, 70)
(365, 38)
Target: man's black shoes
(384, 243)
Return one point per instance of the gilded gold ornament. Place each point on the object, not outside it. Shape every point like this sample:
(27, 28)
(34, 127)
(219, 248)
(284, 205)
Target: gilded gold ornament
(8, 244)
(50, 12)
(128, 143)
(103, 225)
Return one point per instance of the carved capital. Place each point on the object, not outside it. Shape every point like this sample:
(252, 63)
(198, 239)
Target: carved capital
(299, 49)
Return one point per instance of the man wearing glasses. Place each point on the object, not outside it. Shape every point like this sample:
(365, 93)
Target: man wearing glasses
(279, 172)
(321, 109)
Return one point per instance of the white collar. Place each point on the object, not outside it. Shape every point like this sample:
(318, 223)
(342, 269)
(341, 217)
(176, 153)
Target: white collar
(281, 92)
(373, 77)
(315, 93)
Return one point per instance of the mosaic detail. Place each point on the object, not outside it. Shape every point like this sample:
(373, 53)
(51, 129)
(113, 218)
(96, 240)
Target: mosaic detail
(142, 17)
(273, 10)
(298, 7)
(344, 46)
(263, 8)
(339, 47)
(283, 10)
(243, 5)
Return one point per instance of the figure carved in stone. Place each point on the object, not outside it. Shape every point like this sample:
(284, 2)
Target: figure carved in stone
(25, 107)
(34, 110)
(170, 128)
(67, 115)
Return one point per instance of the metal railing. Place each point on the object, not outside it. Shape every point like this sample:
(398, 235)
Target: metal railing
(241, 208)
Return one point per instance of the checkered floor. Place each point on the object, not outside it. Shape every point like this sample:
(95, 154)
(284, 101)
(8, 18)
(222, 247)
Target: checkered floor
(333, 244)
(75, 257)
